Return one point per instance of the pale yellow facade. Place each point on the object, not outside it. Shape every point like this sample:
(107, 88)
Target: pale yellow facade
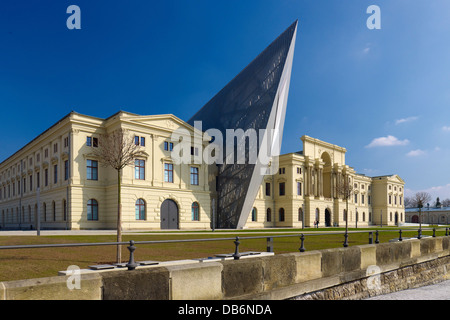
(52, 177)
(69, 199)
(304, 192)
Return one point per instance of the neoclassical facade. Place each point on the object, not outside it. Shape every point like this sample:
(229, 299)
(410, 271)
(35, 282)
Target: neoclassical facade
(58, 178)
(57, 181)
(304, 192)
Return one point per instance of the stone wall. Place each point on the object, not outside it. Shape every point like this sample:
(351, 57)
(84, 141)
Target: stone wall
(355, 272)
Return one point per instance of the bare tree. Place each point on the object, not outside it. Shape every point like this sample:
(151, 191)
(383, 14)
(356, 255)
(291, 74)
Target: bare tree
(446, 202)
(420, 199)
(409, 202)
(117, 150)
(345, 190)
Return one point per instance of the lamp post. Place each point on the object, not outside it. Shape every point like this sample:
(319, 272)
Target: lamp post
(420, 205)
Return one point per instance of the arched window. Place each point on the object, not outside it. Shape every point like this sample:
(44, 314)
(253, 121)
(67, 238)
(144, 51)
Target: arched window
(54, 210)
(140, 209)
(300, 214)
(254, 212)
(269, 215)
(195, 209)
(281, 214)
(92, 210)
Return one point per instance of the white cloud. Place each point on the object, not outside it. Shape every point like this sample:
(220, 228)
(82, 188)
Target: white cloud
(409, 119)
(446, 128)
(387, 142)
(415, 153)
(443, 192)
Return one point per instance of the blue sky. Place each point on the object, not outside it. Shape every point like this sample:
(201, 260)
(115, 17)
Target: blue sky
(382, 94)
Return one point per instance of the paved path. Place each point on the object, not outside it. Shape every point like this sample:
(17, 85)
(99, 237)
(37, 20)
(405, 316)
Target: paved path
(439, 291)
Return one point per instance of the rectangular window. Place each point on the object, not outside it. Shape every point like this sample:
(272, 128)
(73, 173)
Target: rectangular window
(356, 198)
(31, 183)
(194, 151)
(55, 148)
(168, 172)
(92, 170)
(66, 170)
(139, 169)
(299, 188)
(136, 140)
(95, 142)
(267, 188)
(142, 142)
(194, 176)
(362, 198)
(282, 189)
(38, 179)
(46, 177)
(89, 141)
(168, 146)
(55, 173)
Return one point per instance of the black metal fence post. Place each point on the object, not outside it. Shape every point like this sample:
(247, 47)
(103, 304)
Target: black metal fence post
(376, 237)
(346, 240)
(131, 263)
(269, 244)
(434, 232)
(302, 244)
(400, 237)
(236, 254)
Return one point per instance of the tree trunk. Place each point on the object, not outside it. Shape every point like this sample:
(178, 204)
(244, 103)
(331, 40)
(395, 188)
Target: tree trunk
(119, 218)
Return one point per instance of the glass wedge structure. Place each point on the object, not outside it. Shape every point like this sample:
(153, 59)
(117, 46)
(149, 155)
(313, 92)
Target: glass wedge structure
(254, 102)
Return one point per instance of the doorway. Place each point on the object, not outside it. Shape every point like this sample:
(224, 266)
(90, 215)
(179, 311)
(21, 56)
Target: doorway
(327, 218)
(169, 215)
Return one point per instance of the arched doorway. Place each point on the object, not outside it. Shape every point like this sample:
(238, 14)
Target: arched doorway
(169, 215)
(415, 219)
(327, 218)
(396, 218)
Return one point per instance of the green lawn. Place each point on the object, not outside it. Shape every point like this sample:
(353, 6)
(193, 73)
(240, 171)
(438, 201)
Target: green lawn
(16, 264)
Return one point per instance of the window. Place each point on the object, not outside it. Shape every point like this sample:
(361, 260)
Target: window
(92, 142)
(356, 198)
(281, 214)
(31, 182)
(142, 141)
(168, 146)
(38, 179)
(46, 153)
(55, 148)
(267, 188)
(194, 176)
(362, 199)
(299, 188)
(299, 170)
(168, 172)
(55, 173)
(194, 151)
(282, 189)
(390, 199)
(269, 215)
(140, 209)
(300, 214)
(139, 169)
(195, 210)
(281, 170)
(66, 170)
(92, 170)
(66, 142)
(46, 177)
(254, 212)
(139, 141)
(92, 210)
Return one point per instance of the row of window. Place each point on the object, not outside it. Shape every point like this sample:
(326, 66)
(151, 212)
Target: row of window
(140, 210)
(139, 171)
(281, 215)
(28, 183)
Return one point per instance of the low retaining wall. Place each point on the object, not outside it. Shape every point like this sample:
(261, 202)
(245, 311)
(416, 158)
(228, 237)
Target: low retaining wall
(355, 272)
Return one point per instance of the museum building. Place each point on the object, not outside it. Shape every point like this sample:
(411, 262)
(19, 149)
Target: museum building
(58, 178)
